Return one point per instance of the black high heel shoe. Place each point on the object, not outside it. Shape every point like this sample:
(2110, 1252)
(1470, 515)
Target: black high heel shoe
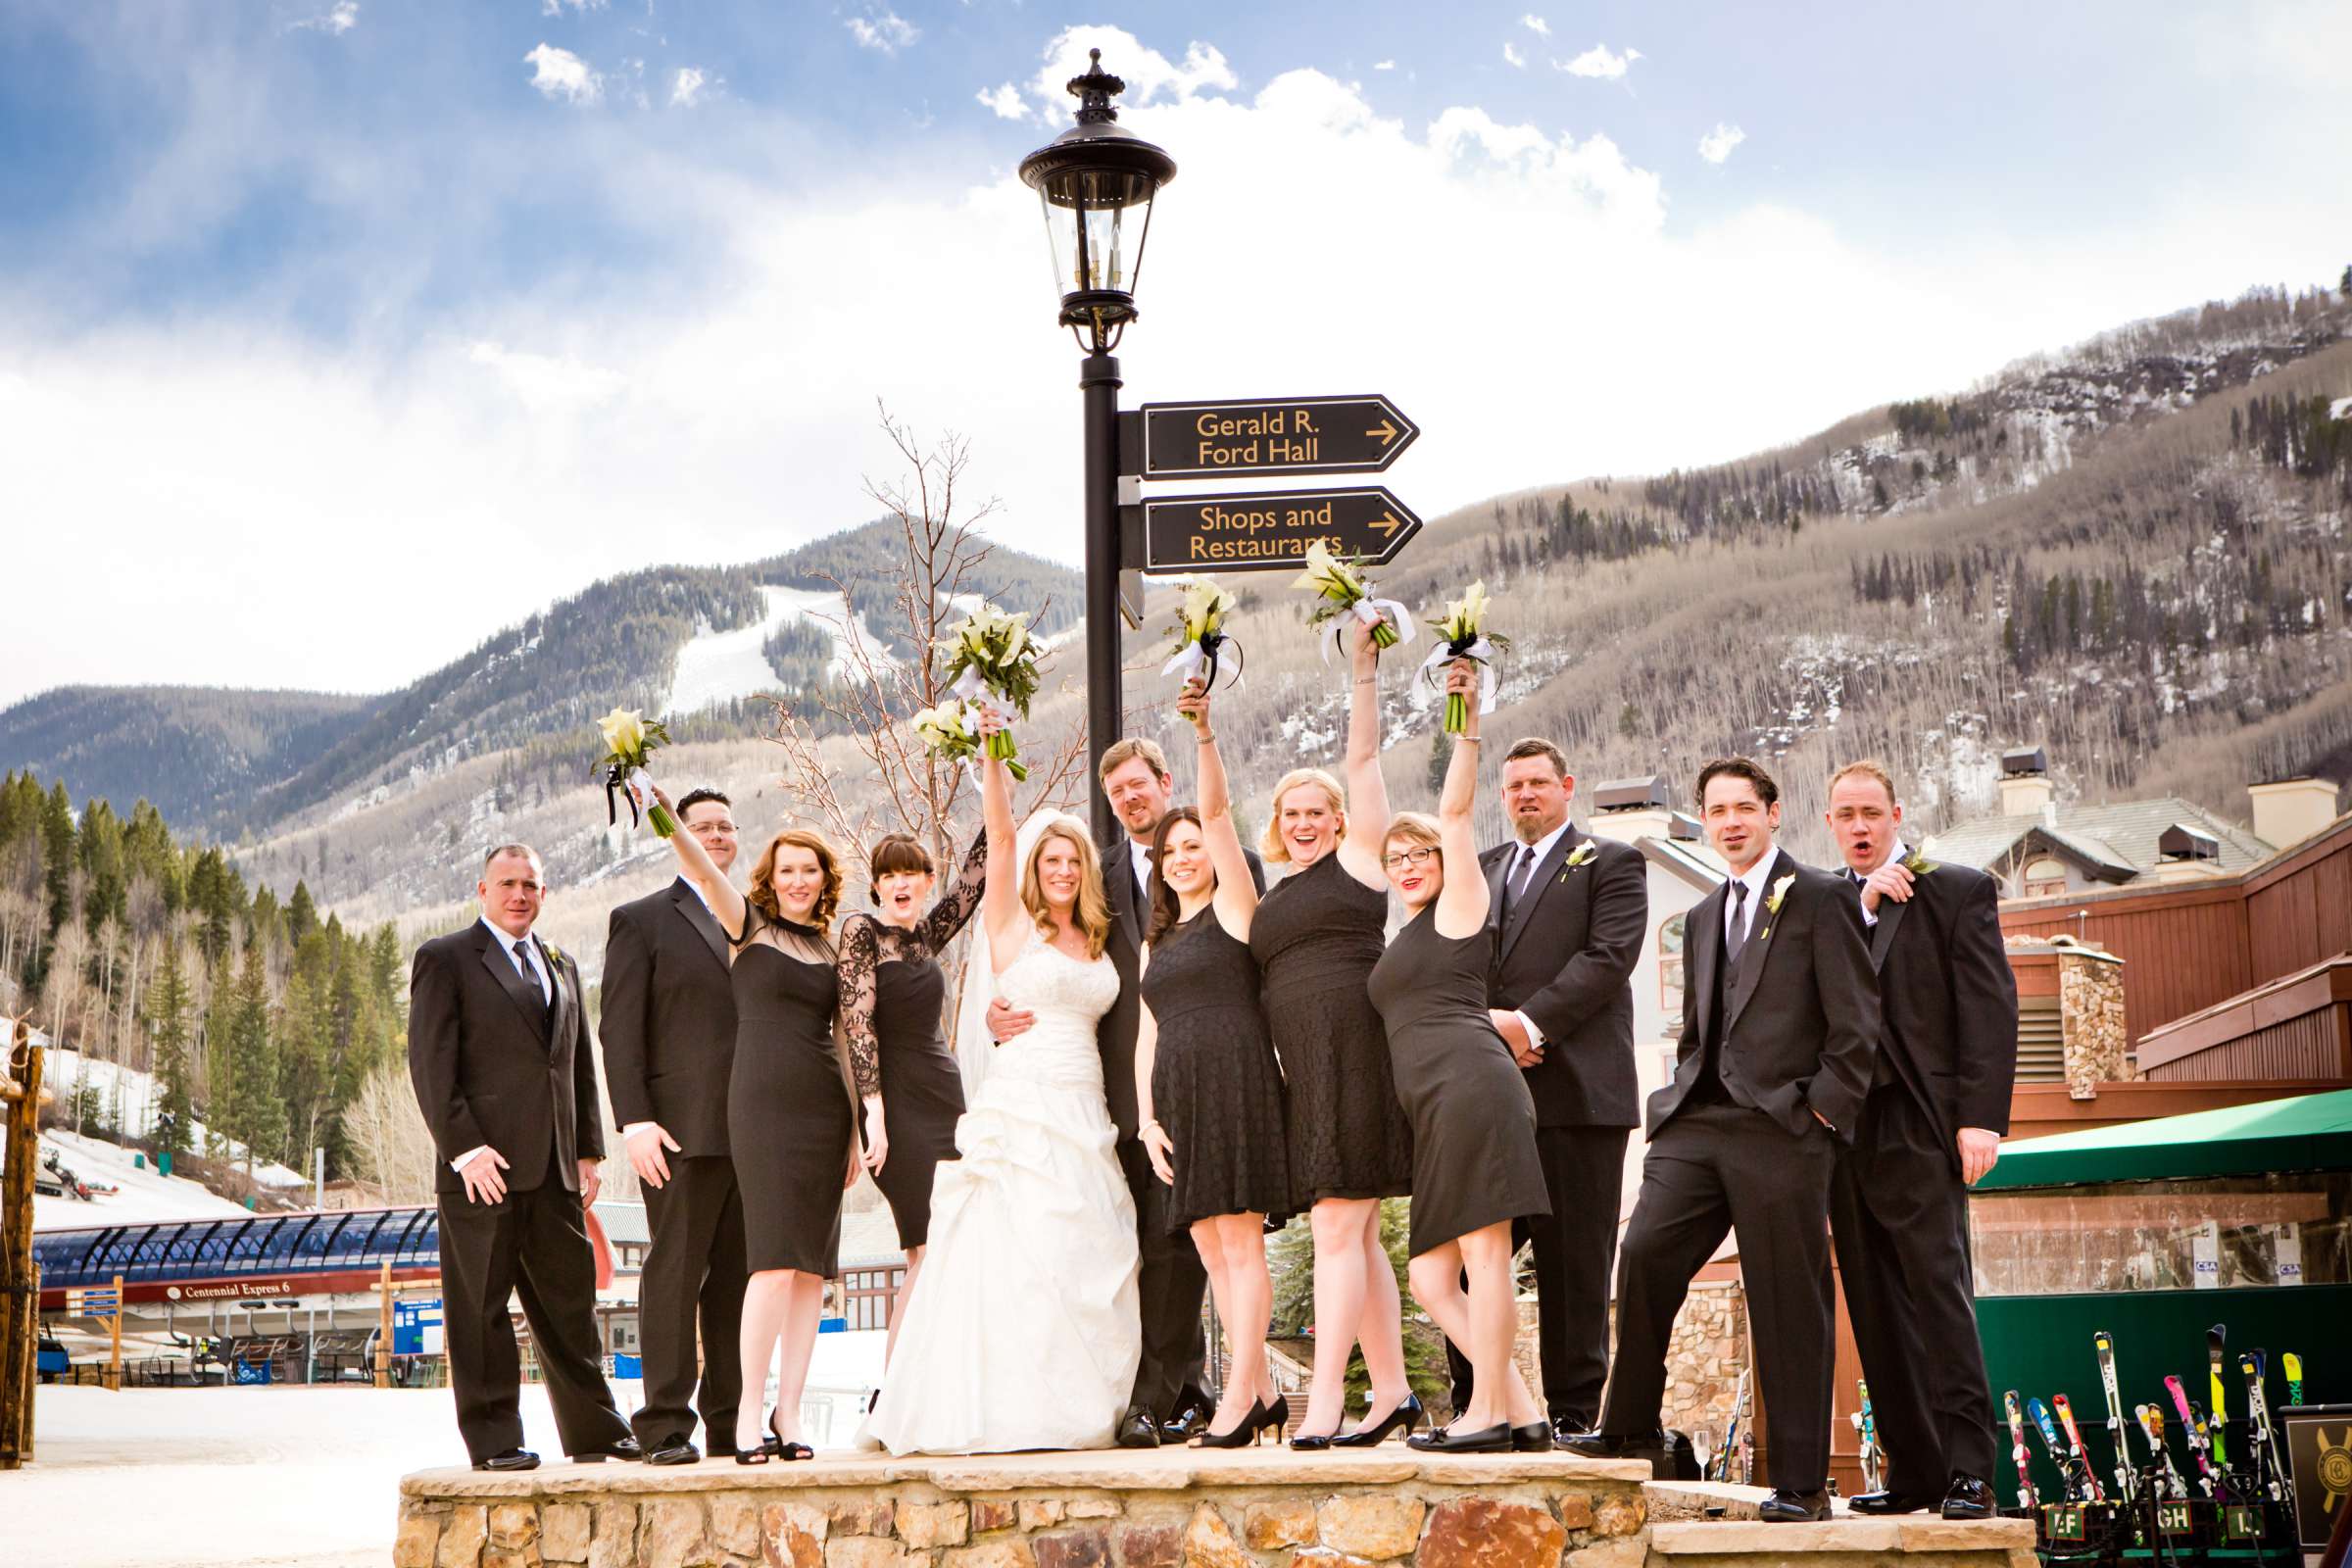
(777, 1447)
(1407, 1414)
(1262, 1418)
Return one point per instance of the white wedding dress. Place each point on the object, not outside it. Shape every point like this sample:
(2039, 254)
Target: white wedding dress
(1022, 1330)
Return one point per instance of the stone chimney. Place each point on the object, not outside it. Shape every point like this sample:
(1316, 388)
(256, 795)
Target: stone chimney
(2026, 788)
(1631, 808)
(2090, 1012)
(2289, 810)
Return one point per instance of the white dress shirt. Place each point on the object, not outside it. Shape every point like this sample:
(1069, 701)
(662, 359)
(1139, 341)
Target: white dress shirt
(1139, 856)
(532, 968)
(1526, 857)
(1741, 917)
(1869, 916)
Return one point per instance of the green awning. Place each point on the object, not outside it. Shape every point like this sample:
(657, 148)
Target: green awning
(2307, 1132)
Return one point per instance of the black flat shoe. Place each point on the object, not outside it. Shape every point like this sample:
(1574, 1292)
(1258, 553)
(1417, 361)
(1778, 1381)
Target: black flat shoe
(1496, 1439)
(1137, 1428)
(1969, 1498)
(511, 1459)
(623, 1449)
(1406, 1413)
(1876, 1504)
(673, 1449)
(1612, 1445)
(1532, 1438)
(1784, 1506)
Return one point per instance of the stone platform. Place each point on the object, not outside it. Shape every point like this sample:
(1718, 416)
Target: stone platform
(1164, 1508)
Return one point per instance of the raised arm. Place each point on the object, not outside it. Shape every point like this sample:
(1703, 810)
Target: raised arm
(695, 861)
(1001, 908)
(1367, 791)
(1237, 886)
(955, 906)
(1462, 902)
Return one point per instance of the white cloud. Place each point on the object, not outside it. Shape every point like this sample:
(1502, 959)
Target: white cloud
(555, 8)
(1384, 64)
(1598, 62)
(686, 88)
(341, 20)
(1535, 24)
(1511, 55)
(1004, 101)
(1716, 144)
(560, 74)
(1151, 77)
(888, 32)
(548, 382)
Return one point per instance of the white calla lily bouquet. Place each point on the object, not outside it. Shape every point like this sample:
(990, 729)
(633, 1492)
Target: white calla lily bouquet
(1201, 640)
(992, 667)
(1340, 590)
(629, 738)
(1461, 630)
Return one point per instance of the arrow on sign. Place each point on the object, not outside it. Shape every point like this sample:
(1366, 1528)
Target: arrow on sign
(1270, 530)
(1265, 436)
(1385, 431)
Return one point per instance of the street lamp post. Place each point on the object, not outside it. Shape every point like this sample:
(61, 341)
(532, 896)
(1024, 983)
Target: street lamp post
(1097, 182)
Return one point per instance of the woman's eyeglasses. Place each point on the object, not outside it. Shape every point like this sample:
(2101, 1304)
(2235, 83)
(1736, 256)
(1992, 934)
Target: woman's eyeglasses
(1417, 855)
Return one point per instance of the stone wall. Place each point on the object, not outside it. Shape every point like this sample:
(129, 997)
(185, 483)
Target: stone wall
(2090, 1016)
(1705, 1358)
(1286, 1511)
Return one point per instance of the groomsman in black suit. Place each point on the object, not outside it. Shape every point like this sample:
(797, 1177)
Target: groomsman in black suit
(1568, 912)
(1939, 1104)
(500, 1057)
(668, 1028)
(1779, 1031)
(1168, 1405)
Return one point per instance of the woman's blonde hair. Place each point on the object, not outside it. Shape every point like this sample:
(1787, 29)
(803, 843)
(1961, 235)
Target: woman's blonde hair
(1414, 827)
(763, 894)
(1091, 909)
(1270, 843)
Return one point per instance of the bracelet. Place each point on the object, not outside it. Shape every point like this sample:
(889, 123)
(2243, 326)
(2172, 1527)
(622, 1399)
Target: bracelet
(1466, 739)
(1205, 737)
(1367, 680)
(1151, 1126)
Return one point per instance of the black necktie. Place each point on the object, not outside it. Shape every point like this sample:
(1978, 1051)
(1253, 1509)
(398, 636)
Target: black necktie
(1738, 938)
(1514, 884)
(530, 972)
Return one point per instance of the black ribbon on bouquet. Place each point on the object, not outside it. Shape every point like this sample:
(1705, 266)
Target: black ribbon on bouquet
(617, 776)
(1200, 658)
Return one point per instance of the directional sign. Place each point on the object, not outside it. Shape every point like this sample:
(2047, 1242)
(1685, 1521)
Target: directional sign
(1268, 435)
(1270, 530)
(90, 1301)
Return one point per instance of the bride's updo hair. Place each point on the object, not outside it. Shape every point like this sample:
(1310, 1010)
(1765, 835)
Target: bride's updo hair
(1091, 910)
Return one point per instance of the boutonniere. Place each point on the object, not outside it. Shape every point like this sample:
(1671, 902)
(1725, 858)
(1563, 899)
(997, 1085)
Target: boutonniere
(1918, 864)
(1582, 855)
(1773, 901)
(555, 955)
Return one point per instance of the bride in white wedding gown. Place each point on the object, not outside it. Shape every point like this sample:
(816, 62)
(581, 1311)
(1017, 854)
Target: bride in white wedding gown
(1022, 1330)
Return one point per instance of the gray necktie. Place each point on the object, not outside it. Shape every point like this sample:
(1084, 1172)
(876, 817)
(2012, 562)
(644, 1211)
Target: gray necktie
(530, 972)
(1731, 949)
(1514, 887)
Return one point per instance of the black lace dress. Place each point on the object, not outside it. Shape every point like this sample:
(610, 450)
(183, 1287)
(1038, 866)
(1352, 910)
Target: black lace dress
(1316, 935)
(1215, 1087)
(788, 1113)
(892, 995)
(1473, 1122)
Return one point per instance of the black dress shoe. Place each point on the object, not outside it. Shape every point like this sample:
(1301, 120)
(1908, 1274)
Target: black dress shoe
(1137, 1428)
(1564, 1427)
(1885, 1503)
(1969, 1498)
(1612, 1445)
(1787, 1507)
(1406, 1413)
(1532, 1438)
(1496, 1439)
(619, 1448)
(511, 1459)
(673, 1449)
(1189, 1419)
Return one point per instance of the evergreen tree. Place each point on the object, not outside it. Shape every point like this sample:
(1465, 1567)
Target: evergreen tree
(253, 1052)
(167, 1007)
(302, 916)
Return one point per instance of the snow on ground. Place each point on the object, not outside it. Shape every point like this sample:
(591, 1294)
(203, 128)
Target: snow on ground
(142, 1195)
(132, 1097)
(718, 666)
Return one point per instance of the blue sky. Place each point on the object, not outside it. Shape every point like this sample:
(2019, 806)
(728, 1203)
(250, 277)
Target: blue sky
(310, 294)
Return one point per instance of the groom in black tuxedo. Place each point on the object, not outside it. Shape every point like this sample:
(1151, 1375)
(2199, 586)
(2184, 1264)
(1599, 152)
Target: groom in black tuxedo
(1939, 1104)
(668, 1028)
(1568, 912)
(1169, 1405)
(500, 1057)
(1779, 1031)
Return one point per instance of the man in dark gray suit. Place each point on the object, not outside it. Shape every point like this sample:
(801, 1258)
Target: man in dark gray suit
(668, 1028)
(500, 1057)
(1939, 1104)
(1569, 912)
(1780, 1029)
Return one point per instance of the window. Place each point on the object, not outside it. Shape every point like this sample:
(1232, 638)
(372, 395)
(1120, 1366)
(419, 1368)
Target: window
(866, 1295)
(1669, 965)
(2044, 876)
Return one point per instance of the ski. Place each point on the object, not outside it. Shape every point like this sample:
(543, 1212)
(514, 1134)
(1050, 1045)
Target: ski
(1730, 1432)
(2025, 1497)
(2189, 1434)
(2216, 1338)
(1872, 1462)
(2151, 1422)
(2074, 1443)
(2104, 1343)
(2040, 1414)
(2293, 1364)
(2262, 1441)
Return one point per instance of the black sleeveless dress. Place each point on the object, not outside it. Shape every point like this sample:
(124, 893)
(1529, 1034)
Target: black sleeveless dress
(1473, 1122)
(787, 1111)
(1316, 935)
(1214, 1083)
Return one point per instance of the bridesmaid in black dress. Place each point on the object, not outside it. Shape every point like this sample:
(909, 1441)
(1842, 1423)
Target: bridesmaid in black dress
(1475, 1165)
(1316, 935)
(788, 1113)
(1207, 1087)
(893, 993)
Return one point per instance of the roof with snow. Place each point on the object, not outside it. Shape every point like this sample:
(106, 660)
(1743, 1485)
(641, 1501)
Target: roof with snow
(2115, 842)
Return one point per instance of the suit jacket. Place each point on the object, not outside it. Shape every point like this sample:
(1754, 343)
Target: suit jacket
(1800, 1013)
(1566, 959)
(483, 1071)
(1115, 1036)
(669, 1019)
(1949, 1001)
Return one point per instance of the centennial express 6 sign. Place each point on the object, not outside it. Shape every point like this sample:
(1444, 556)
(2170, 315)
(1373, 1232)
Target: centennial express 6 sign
(1270, 530)
(1269, 436)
